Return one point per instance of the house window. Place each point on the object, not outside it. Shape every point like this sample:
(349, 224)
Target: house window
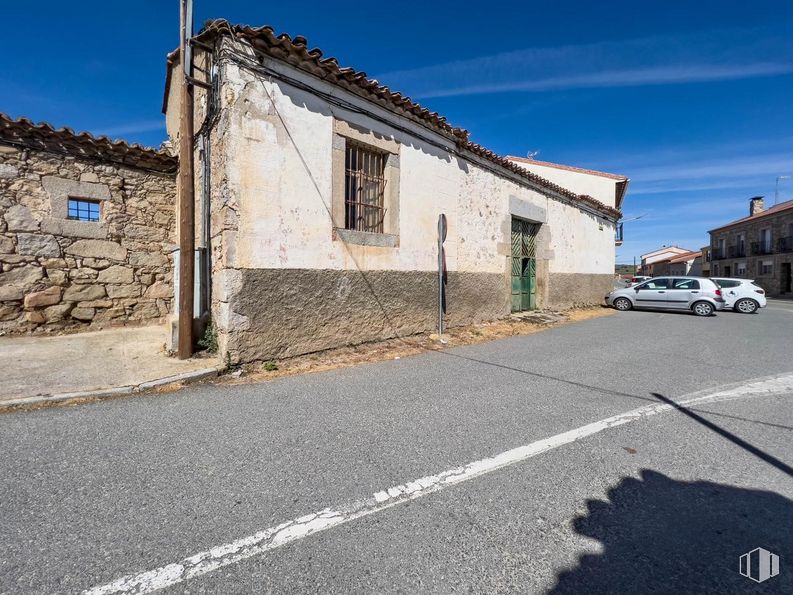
(740, 269)
(83, 210)
(364, 188)
(767, 267)
(765, 240)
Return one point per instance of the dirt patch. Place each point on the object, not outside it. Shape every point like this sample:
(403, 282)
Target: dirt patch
(403, 347)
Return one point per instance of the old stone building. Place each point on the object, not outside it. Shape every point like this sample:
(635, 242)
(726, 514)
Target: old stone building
(759, 247)
(320, 190)
(86, 230)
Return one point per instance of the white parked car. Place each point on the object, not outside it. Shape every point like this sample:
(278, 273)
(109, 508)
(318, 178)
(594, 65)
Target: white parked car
(742, 295)
(699, 295)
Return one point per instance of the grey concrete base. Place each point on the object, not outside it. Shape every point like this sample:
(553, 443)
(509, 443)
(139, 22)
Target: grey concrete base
(568, 290)
(295, 311)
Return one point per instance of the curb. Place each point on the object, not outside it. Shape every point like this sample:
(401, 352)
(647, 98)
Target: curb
(184, 378)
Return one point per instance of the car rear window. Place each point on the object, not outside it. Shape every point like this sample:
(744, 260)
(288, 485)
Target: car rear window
(685, 284)
(728, 283)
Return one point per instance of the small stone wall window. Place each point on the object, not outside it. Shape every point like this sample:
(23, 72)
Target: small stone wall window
(365, 177)
(364, 188)
(83, 210)
(767, 267)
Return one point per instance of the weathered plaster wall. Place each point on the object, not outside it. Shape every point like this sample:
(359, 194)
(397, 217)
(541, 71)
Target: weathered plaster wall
(580, 242)
(59, 274)
(286, 282)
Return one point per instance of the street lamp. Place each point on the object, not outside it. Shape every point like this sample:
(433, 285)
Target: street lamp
(776, 190)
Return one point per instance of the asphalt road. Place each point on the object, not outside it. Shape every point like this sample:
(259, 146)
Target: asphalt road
(662, 502)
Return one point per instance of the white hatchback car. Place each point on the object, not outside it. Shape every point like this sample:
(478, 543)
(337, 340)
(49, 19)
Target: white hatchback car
(742, 295)
(699, 295)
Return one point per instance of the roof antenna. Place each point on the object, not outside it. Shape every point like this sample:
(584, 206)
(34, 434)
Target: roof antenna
(532, 154)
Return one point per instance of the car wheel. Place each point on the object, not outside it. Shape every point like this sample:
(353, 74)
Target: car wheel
(746, 306)
(623, 304)
(702, 309)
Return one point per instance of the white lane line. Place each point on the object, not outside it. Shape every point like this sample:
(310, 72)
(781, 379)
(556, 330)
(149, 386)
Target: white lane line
(295, 529)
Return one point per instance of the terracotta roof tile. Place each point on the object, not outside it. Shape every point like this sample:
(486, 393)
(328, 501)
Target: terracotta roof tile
(294, 51)
(45, 137)
(685, 257)
(783, 206)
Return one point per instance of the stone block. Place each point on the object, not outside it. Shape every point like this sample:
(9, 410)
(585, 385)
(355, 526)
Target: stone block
(83, 274)
(97, 249)
(57, 313)
(19, 218)
(53, 263)
(9, 293)
(83, 293)
(21, 276)
(9, 312)
(6, 245)
(38, 245)
(146, 310)
(110, 314)
(47, 297)
(36, 317)
(8, 171)
(148, 259)
(84, 314)
(96, 263)
(144, 233)
(96, 304)
(57, 277)
(116, 274)
(124, 291)
(159, 290)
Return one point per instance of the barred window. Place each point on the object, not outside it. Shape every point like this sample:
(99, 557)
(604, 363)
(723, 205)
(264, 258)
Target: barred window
(364, 188)
(83, 210)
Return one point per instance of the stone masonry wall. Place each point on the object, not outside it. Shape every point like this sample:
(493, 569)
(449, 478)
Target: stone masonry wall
(58, 274)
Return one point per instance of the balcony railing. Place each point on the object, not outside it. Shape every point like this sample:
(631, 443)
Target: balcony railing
(717, 254)
(785, 244)
(759, 248)
(736, 251)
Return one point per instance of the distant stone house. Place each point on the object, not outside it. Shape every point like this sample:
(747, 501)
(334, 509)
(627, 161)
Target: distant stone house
(86, 230)
(321, 191)
(759, 247)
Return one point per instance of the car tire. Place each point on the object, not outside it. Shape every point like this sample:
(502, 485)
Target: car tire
(703, 309)
(746, 306)
(623, 304)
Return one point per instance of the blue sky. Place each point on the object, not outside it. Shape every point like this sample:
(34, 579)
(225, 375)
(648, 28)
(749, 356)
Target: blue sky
(691, 100)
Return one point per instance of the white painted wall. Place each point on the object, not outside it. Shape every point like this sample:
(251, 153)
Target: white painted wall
(599, 187)
(278, 144)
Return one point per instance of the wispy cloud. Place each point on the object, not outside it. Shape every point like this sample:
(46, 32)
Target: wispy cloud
(136, 127)
(703, 57)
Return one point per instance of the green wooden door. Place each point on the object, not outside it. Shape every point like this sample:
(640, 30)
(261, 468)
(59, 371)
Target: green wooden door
(524, 266)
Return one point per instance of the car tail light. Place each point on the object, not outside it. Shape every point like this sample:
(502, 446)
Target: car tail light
(718, 292)
(760, 291)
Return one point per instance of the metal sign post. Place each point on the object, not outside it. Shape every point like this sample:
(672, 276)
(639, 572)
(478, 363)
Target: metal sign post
(442, 229)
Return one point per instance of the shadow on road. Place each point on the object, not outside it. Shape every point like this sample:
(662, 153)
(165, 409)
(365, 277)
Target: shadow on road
(660, 535)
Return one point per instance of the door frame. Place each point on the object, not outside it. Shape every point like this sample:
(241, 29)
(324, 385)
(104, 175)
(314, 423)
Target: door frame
(523, 264)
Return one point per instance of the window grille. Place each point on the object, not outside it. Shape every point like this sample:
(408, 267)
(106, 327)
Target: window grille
(364, 189)
(83, 210)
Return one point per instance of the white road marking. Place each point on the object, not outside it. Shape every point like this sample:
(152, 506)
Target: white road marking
(295, 529)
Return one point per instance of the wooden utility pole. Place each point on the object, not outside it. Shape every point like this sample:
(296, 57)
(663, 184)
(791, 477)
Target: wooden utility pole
(186, 191)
